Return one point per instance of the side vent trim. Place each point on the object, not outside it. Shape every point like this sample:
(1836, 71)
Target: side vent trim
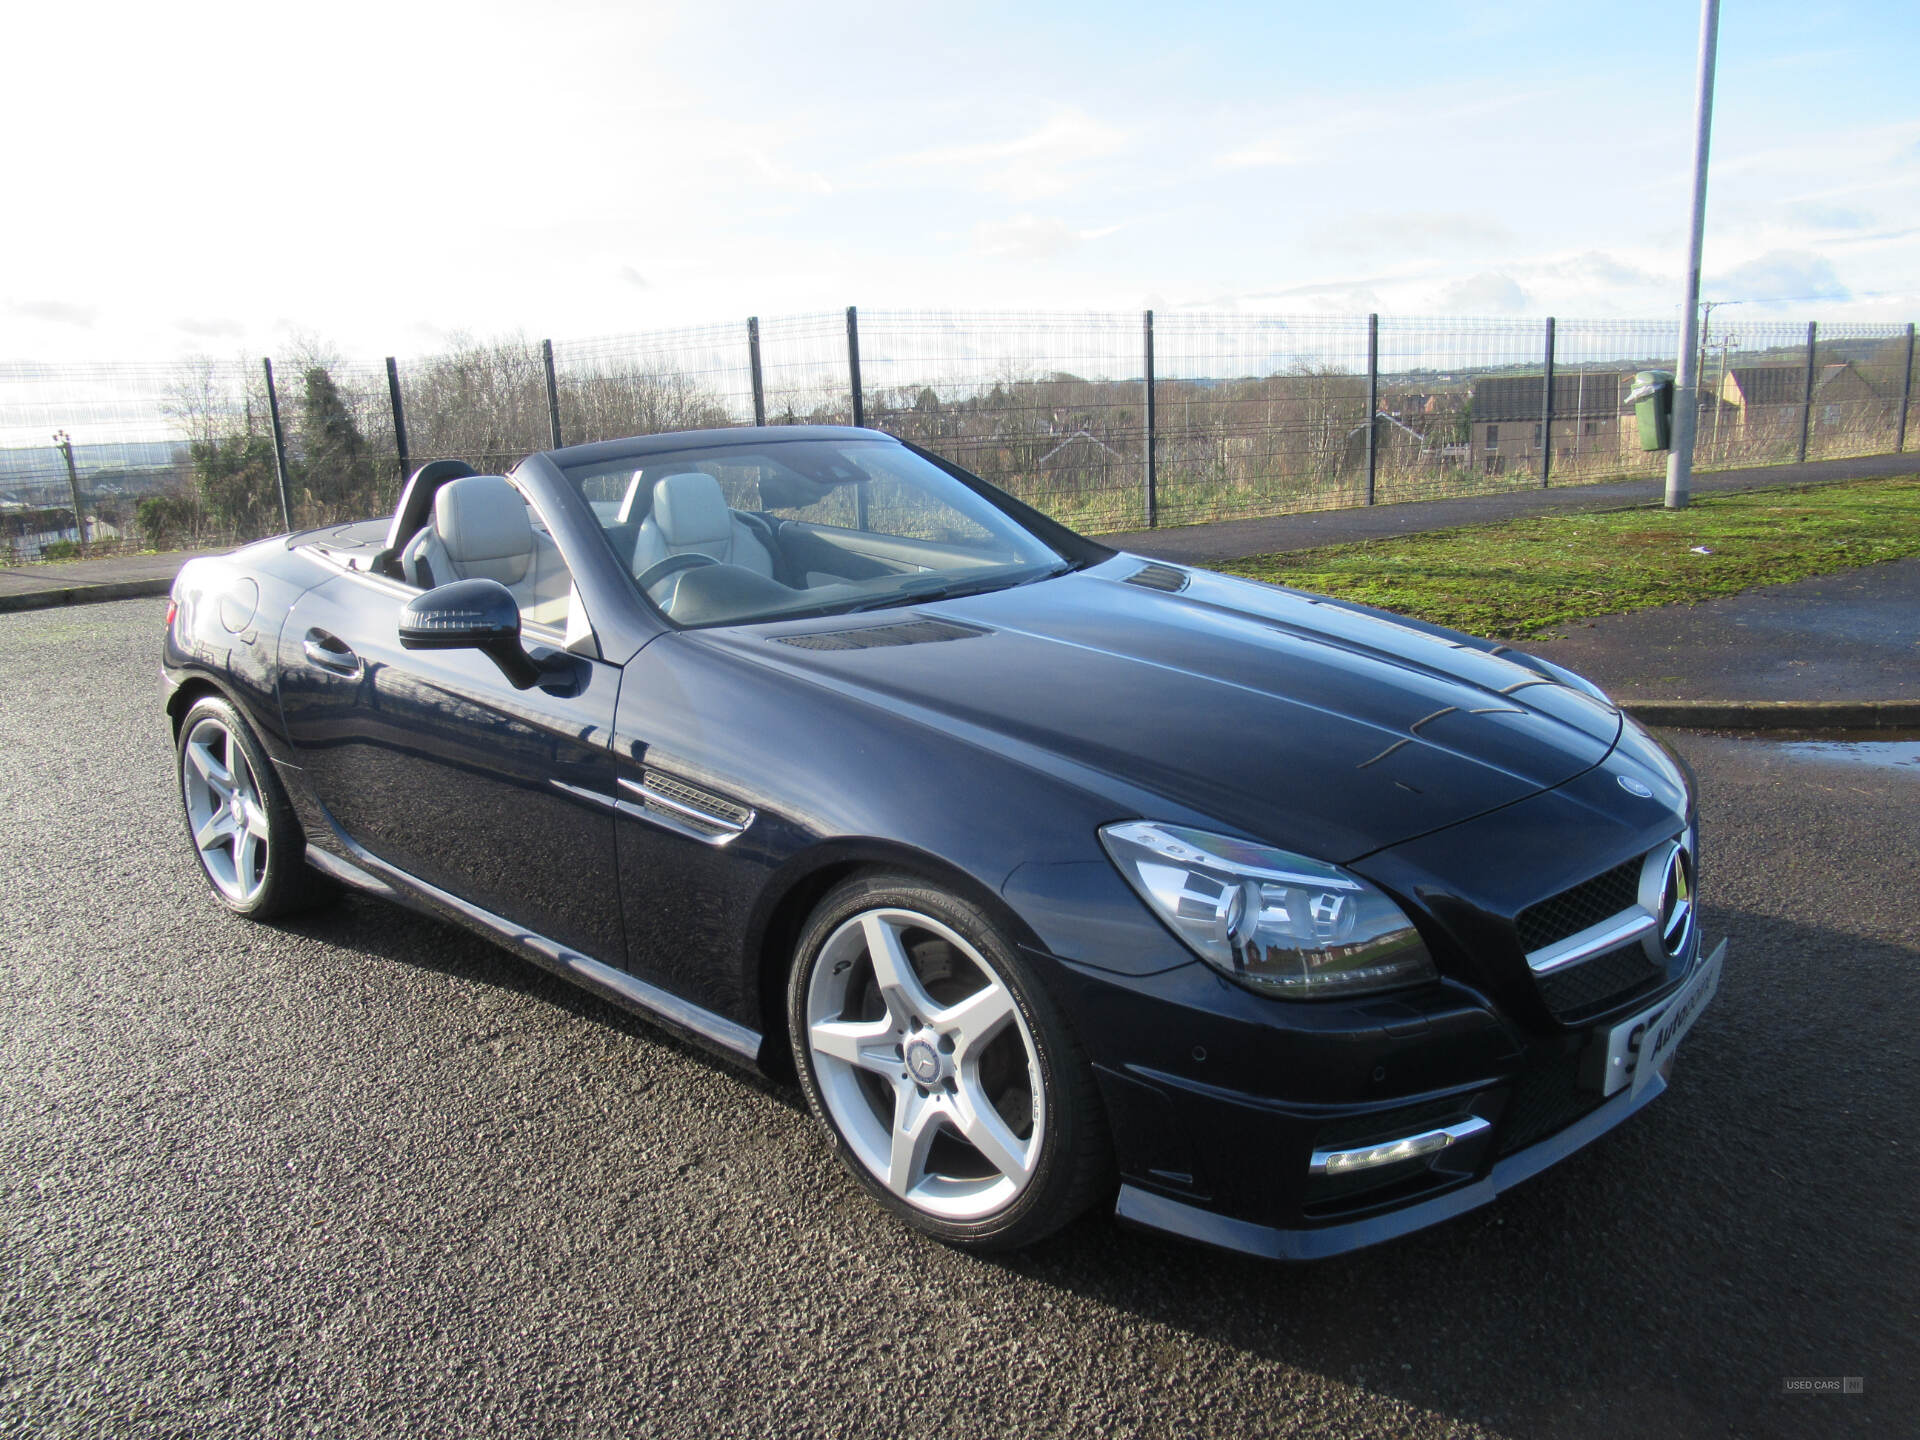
(1159, 577)
(677, 804)
(920, 631)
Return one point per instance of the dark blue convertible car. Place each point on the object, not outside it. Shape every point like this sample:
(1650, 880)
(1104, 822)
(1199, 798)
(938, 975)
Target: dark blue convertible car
(1053, 873)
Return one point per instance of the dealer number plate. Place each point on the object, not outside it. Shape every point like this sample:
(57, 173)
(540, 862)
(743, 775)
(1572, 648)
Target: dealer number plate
(1635, 1050)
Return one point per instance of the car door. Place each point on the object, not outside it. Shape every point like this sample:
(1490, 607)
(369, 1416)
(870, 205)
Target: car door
(433, 763)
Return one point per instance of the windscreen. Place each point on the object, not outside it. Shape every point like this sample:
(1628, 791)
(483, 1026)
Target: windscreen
(791, 528)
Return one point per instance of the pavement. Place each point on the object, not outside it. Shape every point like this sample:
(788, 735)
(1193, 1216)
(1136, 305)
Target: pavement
(366, 1175)
(1837, 652)
(78, 582)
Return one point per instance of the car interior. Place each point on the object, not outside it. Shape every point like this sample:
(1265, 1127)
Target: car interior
(482, 528)
(836, 533)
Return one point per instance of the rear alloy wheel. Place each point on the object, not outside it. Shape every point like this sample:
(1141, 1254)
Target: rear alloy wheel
(244, 833)
(955, 1092)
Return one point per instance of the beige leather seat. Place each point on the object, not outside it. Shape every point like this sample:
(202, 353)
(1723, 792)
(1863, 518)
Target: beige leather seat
(481, 530)
(690, 516)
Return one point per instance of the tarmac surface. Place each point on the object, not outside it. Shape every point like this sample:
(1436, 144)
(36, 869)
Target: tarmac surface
(367, 1175)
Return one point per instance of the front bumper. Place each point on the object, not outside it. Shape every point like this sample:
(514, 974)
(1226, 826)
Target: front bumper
(1155, 1211)
(1217, 1132)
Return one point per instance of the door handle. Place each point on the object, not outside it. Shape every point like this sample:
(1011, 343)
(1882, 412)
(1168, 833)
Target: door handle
(330, 652)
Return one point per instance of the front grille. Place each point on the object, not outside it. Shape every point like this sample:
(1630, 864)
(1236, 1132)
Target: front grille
(1600, 983)
(1544, 1102)
(868, 637)
(1587, 903)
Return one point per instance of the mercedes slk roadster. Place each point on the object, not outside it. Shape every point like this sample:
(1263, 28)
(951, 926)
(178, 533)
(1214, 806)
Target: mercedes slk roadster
(1055, 876)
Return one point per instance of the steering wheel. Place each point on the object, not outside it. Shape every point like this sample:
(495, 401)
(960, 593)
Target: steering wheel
(671, 565)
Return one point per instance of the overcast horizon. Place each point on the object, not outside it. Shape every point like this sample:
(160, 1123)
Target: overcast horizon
(218, 179)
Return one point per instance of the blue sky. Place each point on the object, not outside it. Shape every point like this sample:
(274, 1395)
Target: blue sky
(222, 177)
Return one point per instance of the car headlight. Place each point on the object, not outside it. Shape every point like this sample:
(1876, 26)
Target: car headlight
(1278, 923)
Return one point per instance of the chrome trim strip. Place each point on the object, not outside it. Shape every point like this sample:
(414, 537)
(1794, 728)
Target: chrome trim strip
(1610, 933)
(1423, 1146)
(633, 810)
(628, 991)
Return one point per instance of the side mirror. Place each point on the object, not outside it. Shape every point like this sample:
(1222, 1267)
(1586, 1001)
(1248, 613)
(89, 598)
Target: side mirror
(471, 615)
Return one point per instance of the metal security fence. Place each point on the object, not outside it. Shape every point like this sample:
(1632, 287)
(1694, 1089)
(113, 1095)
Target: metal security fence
(1107, 421)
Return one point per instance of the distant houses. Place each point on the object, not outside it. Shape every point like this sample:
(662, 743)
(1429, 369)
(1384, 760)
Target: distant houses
(1506, 426)
(1766, 400)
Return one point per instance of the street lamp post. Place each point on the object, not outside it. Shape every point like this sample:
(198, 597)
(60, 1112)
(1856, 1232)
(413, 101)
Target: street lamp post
(65, 442)
(1686, 390)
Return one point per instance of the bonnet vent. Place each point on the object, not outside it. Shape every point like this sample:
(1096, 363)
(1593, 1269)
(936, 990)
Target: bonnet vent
(1159, 577)
(869, 637)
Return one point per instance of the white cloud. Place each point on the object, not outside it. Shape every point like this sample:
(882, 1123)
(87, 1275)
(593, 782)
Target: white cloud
(1043, 162)
(1783, 277)
(1485, 294)
(1029, 237)
(1402, 232)
(54, 312)
(213, 328)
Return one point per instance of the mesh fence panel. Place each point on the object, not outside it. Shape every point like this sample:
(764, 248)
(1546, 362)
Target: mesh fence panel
(688, 379)
(1254, 414)
(1049, 407)
(130, 426)
(342, 461)
(803, 360)
(1258, 414)
(1856, 390)
(484, 403)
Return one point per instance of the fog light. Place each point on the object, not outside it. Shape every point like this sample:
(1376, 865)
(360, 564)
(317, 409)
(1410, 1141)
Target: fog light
(1394, 1152)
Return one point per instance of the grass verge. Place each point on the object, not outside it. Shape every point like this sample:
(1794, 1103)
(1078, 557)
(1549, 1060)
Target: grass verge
(1524, 577)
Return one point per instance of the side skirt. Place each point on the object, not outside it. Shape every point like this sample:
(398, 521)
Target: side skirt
(369, 873)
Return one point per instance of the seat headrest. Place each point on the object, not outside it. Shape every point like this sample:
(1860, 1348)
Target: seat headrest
(690, 510)
(482, 517)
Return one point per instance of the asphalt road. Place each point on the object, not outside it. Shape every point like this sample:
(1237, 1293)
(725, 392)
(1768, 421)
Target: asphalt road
(368, 1176)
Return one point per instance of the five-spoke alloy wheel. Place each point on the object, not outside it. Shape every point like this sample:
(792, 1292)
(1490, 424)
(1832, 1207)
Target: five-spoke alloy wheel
(955, 1092)
(224, 811)
(244, 832)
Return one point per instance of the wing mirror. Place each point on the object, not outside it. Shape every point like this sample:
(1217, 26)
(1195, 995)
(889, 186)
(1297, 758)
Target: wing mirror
(472, 615)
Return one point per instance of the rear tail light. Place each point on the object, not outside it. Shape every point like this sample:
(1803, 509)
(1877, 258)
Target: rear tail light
(173, 608)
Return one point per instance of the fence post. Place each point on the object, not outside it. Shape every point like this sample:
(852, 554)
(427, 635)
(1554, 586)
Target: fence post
(65, 442)
(279, 444)
(1153, 474)
(553, 395)
(399, 418)
(1373, 402)
(1806, 400)
(1906, 391)
(853, 366)
(1546, 414)
(753, 364)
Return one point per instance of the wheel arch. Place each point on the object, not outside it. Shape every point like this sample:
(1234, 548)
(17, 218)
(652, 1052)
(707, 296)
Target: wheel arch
(190, 692)
(791, 896)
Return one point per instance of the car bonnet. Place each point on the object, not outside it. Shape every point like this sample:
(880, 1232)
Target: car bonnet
(1321, 729)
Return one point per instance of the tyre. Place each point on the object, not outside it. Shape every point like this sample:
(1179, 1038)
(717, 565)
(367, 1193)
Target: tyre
(947, 1080)
(250, 847)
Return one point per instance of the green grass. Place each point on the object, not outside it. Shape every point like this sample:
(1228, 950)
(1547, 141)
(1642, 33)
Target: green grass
(1526, 576)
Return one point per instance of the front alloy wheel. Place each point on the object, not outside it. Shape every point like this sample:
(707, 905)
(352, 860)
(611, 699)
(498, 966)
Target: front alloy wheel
(956, 1093)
